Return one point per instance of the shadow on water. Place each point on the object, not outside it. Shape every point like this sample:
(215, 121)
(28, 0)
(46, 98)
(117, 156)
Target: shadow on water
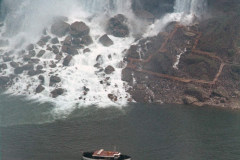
(146, 132)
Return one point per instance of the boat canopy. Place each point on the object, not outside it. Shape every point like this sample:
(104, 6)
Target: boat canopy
(107, 154)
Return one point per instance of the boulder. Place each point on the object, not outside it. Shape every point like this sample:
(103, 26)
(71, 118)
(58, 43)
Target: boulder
(54, 80)
(28, 67)
(86, 50)
(27, 57)
(34, 72)
(41, 53)
(41, 78)
(117, 26)
(14, 64)
(57, 92)
(39, 89)
(3, 66)
(18, 70)
(6, 58)
(68, 41)
(86, 40)
(109, 69)
(69, 49)
(39, 67)
(67, 60)
(99, 59)
(79, 29)
(105, 40)
(55, 40)
(112, 97)
(60, 28)
(189, 100)
(55, 49)
(4, 80)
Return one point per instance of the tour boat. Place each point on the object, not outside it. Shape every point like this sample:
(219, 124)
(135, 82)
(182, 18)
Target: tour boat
(104, 155)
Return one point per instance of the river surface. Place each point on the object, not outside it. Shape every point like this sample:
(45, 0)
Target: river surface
(31, 131)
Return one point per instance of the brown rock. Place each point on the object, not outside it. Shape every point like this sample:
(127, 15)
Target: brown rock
(189, 100)
(39, 89)
(57, 92)
(79, 29)
(67, 60)
(105, 40)
(117, 26)
(109, 69)
(112, 97)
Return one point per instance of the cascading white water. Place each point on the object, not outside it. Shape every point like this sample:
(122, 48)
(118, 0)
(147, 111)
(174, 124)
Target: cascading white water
(24, 24)
(196, 7)
(185, 11)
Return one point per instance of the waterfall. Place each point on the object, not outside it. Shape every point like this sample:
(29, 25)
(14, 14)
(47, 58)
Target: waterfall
(196, 7)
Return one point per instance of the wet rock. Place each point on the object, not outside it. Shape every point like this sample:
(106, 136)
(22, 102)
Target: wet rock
(30, 47)
(54, 80)
(55, 40)
(86, 40)
(117, 26)
(85, 90)
(34, 60)
(99, 59)
(57, 92)
(4, 80)
(41, 78)
(27, 57)
(53, 65)
(79, 29)
(58, 57)
(76, 42)
(55, 49)
(34, 72)
(3, 66)
(39, 67)
(14, 64)
(18, 70)
(49, 48)
(67, 60)
(28, 67)
(39, 89)
(32, 53)
(69, 49)
(86, 50)
(60, 28)
(112, 97)
(105, 40)
(189, 100)
(67, 41)
(109, 69)
(196, 92)
(41, 53)
(6, 58)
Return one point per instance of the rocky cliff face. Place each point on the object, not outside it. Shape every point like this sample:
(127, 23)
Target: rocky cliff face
(197, 64)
